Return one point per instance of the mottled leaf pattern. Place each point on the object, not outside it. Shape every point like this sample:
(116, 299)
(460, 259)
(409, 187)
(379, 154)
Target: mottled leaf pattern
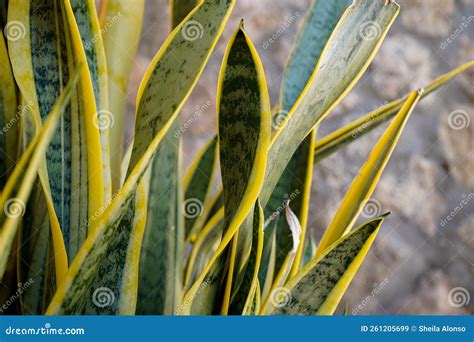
(85, 15)
(175, 70)
(319, 286)
(16, 192)
(180, 9)
(197, 185)
(247, 291)
(244, 134)
(342, 62)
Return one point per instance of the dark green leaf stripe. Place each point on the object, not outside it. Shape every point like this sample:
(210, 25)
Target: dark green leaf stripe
(33, 255)
(180, 9)
(175, 71)
(160, 279)
(115, 230)
(198, 184)
(313, 286)
(92, 47)
(318, 25)
(66, 162)
(250, 278)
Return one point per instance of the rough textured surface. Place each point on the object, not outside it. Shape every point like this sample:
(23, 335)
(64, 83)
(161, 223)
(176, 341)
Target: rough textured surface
(419, 185)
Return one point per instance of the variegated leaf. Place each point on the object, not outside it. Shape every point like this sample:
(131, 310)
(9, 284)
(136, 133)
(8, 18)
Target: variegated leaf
(120, 226)
(364, 184)
(320, 285)
(16, 192)
(122, 25)
(244, 134)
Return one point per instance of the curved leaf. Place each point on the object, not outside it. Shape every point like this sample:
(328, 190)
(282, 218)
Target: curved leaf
(122, 25)
(320, 285)
(368, 176)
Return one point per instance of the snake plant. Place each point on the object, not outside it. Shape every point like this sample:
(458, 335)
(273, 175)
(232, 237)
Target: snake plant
(94, 226)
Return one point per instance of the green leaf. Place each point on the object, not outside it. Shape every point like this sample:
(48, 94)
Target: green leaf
(343, 61)
(313, 35)
(179, 9)
(296, 180)
(34, 255)
(160, 277)
(351, 132)
(364, 184)
(197, 184)
(320, 285)
(73, 180)
(121, 27)
(244, 135)
(10, 117)
(92, 49)
(267, 269)
(112, 249)
(17, 190)
(245, 296)
(186, 51)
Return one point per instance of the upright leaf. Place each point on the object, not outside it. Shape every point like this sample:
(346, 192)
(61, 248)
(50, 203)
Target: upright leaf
(122, 25)
(197, 184)
(73, 175)
(16, 192)
(320, 285)
(368, 176)
(179, 9)
(115, 240)
(343, 60)
(89, 44)
(10, 116)
(245, 297)
(244, 133)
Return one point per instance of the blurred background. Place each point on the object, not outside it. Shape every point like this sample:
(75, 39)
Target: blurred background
(422, 261)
